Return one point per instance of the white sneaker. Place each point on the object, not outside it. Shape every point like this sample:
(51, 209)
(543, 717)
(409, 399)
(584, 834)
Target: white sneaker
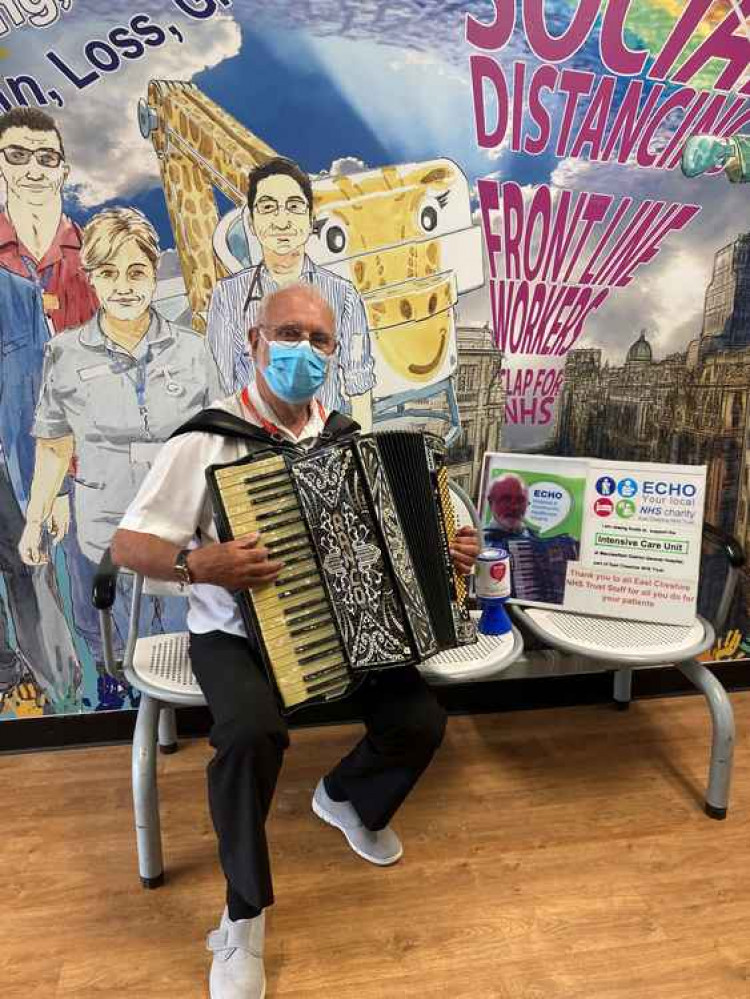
(237, 970)
(382, 847)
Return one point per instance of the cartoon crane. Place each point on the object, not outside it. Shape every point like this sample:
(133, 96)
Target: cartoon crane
(403, 235)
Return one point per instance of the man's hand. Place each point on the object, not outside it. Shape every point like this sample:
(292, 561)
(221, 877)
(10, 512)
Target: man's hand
(235, 565)
(465, 549)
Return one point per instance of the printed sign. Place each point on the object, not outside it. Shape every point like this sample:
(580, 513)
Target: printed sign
(617, 539)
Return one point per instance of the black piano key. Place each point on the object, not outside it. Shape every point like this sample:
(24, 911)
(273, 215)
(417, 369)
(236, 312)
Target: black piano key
(319, 644)
(278, 520)
(290, 561)
(283, 548)
(326, 685)
(313, 625)
(299, 616)
(304, 660)
(294, 590)
(323, 673)
(273, 478)
(294, 614)
(298, 536)
(267, 495)
(285, 578)
(261, 483)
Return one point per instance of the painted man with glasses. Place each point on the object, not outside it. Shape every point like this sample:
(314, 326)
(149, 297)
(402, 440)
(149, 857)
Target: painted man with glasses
(38, 241)
(280, 204)
(43, 290)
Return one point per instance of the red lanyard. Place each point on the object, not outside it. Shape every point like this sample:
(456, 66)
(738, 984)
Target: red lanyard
(269, 427)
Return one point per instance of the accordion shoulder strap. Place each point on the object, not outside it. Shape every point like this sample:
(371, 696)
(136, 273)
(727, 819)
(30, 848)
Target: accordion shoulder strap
(337, 426)
(219, 421)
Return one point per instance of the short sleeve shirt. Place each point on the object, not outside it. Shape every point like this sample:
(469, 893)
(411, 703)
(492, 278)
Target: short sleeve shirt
(119, 408)
(179, 471)
(69, 299)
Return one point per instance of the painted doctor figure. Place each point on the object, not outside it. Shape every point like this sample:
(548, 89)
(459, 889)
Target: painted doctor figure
(280, 210)
(113, 390)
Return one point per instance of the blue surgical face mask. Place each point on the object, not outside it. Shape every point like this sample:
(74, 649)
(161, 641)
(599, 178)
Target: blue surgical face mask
(294, 374)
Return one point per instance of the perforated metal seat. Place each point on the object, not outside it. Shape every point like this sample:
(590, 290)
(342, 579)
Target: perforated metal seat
(490, 656)
(163, 662)
(620, 641)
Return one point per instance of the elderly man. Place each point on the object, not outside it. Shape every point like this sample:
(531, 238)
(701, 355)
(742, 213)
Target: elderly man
(292, 345)
(508, 499)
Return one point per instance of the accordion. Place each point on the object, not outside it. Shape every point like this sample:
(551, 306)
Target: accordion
(539, 567)
(363, 528)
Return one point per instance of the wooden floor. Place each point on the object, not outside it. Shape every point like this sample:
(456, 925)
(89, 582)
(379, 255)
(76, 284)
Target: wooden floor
(548, 855)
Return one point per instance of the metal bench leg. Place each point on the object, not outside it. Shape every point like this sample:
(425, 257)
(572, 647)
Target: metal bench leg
(722, 743)
(623, 688)
(146, 794)
(167, 730)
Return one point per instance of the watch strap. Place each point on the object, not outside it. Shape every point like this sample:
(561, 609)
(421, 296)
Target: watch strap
(182, 568)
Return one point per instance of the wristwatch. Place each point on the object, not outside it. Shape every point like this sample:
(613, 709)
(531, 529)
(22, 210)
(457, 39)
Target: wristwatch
(182, 569)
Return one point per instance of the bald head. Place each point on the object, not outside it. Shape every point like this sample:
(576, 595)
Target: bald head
(298, 304)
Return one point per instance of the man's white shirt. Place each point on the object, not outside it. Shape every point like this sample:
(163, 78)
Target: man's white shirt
(173, 502)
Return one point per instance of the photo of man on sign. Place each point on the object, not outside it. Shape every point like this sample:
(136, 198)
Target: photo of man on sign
(535, 515)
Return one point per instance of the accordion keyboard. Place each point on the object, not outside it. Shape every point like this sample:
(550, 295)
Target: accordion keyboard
(296, 623)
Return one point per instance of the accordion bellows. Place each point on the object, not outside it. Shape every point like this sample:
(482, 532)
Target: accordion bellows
(363, 529)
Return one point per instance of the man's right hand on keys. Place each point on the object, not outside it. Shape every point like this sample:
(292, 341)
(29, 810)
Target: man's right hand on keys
(235, 565)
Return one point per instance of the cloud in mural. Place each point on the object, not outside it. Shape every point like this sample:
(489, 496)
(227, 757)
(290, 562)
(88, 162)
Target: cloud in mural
(345, 165)
(100, 125)
(437, 120)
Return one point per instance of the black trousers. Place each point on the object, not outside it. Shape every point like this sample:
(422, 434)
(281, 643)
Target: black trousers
(404, 727)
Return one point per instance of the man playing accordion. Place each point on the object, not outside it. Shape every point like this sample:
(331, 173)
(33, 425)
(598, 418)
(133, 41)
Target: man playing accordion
(169, 533)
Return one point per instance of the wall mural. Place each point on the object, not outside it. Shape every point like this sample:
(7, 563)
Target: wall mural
(520, 218)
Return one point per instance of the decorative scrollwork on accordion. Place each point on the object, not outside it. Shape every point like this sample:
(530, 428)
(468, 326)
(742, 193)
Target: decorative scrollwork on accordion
(364, 598)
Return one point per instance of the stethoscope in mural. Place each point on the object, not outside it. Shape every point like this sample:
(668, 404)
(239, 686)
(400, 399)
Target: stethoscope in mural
(255, 291)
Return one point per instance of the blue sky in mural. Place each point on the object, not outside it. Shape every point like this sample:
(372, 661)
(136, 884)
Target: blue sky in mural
(379, 81)
(319, 84)
(341, 98)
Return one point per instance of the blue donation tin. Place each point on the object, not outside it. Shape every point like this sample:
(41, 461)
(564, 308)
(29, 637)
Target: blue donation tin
(492, 582)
